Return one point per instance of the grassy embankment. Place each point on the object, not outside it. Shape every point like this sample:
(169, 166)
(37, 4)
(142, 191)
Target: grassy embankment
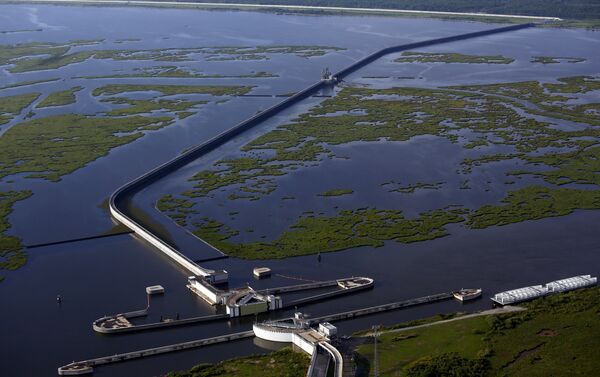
(403, 114)
(12, 255)
(555, 336)
(284, 363)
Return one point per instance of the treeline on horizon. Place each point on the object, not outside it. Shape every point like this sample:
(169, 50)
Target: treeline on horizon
(568, 9)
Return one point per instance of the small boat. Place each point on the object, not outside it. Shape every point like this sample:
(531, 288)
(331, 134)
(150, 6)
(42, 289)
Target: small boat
(467, 294)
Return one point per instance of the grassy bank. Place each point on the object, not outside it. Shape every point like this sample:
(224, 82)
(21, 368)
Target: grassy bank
(284, 363)
(555, 336)
(12, 255)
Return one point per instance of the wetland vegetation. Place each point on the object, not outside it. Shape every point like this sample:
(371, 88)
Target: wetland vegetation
(451, 57)
(53, 146)
(64, 97)
(36, 56)
(177, 72)
(346, 229)
(11, 106)
(169, 90)
(12, 255)
(337, 192)
(555, 59)
(554, 336)
(494, 115)
(67, 143)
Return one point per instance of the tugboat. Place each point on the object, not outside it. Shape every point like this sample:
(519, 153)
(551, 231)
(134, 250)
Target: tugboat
(467, 294)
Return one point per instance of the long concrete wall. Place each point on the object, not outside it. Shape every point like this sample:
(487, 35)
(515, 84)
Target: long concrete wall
(381, 308)
(405, 47)
(91, 363)
(118, 201)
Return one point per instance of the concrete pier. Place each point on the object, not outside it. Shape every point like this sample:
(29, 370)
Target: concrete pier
(382, 308)
(87, 366)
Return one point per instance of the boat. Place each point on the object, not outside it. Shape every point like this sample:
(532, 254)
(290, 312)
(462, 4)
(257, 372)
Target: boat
(467, 294)
(535, 291)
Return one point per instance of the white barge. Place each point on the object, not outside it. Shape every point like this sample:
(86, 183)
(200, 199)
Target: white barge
(529, 293)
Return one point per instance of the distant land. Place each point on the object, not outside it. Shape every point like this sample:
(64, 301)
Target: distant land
(580, 14)
(582, 10)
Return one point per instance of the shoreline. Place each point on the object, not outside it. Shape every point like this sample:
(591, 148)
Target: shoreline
(485, 17)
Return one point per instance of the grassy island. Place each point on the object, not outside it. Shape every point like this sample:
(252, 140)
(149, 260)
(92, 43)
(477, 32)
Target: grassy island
(11, 106)
(555, 59)
(36, 56)
(169, 90)
(67, 143)
(451, 57)
(176, 72)
(65, 97)
(12, 255)
(337, 192)
(53, 146)
(348, 229)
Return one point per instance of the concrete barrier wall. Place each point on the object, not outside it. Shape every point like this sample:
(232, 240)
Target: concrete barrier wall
(148, 236)
(119, 199)
(389, 50)
(337, 358)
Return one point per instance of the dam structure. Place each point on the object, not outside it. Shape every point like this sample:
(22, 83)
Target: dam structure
(317, 343)
(298, 328)
(203, 281)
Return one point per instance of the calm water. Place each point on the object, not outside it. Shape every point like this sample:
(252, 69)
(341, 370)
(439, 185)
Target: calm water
(108, 276)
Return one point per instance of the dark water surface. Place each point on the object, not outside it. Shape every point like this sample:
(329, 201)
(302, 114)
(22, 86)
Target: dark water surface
(109, 275)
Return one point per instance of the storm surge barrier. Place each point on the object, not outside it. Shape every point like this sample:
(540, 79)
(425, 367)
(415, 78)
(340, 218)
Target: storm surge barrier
(119, 201)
